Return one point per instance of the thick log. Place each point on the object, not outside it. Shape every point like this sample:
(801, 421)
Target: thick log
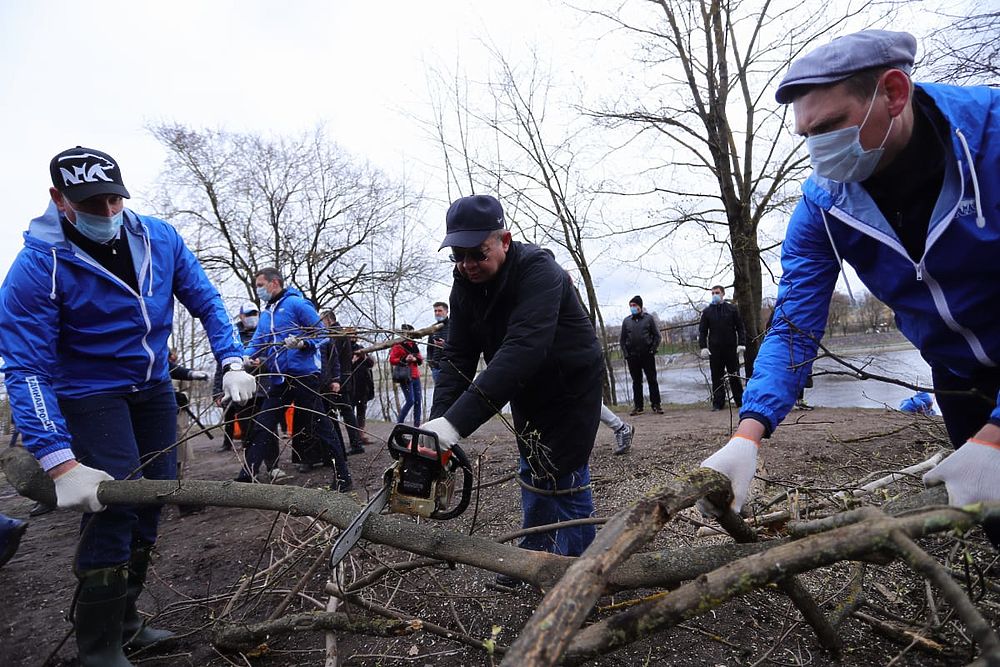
(564, 608)
(543, 570)
(242, 637)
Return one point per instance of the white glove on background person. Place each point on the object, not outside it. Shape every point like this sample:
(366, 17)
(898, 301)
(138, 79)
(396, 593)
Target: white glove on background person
(238, 386)
(295, 343)
(737, 460)
(704, 354)
(76, 489)
(446, 433)
(969, 474)
(199, 375)
(740, 349)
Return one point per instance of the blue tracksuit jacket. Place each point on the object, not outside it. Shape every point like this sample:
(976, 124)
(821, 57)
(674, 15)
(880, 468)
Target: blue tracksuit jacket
(70, 328)
(944, 303)
(289, 315)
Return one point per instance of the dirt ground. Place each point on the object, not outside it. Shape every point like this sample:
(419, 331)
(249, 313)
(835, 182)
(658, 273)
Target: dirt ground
(202, 558)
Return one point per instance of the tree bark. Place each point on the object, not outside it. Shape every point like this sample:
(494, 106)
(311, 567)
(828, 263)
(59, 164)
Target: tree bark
(242, 637)
(564, 608)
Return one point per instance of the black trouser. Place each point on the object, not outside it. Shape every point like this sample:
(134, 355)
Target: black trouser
(343, 404)
(637, 366)
(965, 414)
(722, 362)
(236, 413)
(310, 409)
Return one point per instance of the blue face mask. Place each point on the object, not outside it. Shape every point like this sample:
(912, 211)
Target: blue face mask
(263, 294)
(634, 310)
(440, 318)
(99, 228)
(716, 299)
(839, 155)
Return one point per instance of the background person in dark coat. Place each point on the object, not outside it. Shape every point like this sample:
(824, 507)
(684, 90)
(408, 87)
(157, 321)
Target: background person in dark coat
(237, 417)
(639, 341)
(436, 341)
(514, 306)
(361, 385)
(337, 389)
(722, 338)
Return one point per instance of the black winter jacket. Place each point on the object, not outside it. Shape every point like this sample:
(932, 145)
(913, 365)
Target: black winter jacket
(542, 357)
(436, 341)
(639, 335)
(721, 327)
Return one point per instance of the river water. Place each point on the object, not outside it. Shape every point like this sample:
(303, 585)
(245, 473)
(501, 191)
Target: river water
(682, 382)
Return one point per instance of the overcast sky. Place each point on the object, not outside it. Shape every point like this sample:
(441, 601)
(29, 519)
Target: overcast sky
(96, 73)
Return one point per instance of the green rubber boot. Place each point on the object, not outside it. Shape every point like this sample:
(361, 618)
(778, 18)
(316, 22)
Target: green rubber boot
(100, 609)
(135, 633)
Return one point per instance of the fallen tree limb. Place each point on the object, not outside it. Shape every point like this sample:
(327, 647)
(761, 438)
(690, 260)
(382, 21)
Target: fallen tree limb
(790, 586)
(241, 637)
(564, 608)
(541, 569)
(707, 592)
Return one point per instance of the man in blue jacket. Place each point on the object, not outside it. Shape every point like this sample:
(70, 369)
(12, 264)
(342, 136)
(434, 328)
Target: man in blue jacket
(287, 346)
(85, 313)
(905, 188)
(513, 305)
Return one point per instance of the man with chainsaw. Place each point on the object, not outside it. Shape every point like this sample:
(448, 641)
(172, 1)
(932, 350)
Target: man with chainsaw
(906, 189)
(85, 313)
(512, 304)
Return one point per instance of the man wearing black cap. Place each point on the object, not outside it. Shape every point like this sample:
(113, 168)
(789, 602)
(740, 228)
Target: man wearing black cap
(906, 189)
(512, 304)
(85, 313)
(640, 338)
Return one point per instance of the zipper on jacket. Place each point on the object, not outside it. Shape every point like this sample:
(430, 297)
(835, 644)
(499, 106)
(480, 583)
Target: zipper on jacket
(142, 309)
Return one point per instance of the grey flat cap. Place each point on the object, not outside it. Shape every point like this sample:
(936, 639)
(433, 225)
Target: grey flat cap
(848, 55)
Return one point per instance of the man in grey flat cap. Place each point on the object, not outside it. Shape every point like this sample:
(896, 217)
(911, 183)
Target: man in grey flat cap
(905, 188)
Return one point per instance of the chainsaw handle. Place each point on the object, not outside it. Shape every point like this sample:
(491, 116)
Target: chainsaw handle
(463, 503)
(400, 446)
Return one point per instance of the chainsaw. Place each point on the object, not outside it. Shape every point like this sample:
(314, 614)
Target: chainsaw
(420, 482)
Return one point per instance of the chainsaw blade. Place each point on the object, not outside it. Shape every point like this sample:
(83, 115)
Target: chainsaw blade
(350, 535)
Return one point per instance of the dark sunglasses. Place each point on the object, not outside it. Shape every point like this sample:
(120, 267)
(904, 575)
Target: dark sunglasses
(457, 256)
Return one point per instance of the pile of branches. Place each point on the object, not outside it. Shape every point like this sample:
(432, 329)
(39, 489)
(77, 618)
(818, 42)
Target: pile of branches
(771, 551)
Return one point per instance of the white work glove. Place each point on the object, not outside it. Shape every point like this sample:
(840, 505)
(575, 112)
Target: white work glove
(76, 489)
(199, 375)
(238, 386)
(446, 433)
(295, 343)
(969, 474)
(740, 349)
(704, 354)
(737, 461)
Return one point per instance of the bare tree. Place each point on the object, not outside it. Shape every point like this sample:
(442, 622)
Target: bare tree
(301, 204)
(731, 167)
(967, 50)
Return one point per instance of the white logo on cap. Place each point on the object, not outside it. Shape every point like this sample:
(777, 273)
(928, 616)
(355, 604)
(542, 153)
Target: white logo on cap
(84, 173)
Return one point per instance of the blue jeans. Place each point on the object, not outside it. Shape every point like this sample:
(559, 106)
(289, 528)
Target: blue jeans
(436, 375)
(127, 436)
(411, 396)
(540, 510)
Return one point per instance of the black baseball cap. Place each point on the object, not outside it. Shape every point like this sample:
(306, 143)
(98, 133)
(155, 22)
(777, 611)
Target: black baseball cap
(471, 219)
(79, 173)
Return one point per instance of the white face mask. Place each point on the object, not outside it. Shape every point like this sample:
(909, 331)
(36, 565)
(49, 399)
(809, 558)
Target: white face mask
(839, 155)
(250, 321)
